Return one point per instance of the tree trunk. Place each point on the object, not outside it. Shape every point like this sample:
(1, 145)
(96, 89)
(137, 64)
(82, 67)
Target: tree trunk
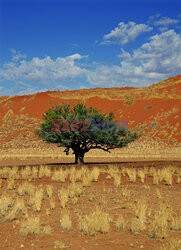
(79, 158)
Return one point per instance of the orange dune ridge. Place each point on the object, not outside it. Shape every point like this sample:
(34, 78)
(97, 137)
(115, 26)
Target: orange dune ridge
(155, 108)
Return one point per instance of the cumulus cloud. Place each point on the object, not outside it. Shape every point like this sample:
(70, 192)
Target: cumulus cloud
(106, 76)
(19, 88)
(17, 55)
(165, 21)
(43, 70)
(153, 61)
(161, 55)
(154, 16)
(125, 33)
(162, 23)
(22, 88)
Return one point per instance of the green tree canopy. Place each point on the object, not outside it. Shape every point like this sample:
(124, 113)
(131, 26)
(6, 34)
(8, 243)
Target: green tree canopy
(82, 128)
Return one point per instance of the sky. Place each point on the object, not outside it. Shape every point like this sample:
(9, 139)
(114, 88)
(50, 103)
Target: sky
(59, 45)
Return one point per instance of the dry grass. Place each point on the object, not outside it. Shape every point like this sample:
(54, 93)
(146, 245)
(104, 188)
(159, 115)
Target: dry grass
(36, 199)
(59, 175)
(141, 175)
(14, 174)
(95, 174)
(174, 244)
(138, 224)
(5, 203)
(59, 244)
(74, 189)
(47, 230)
(158, 194)
(125, 192)
(75, 175)
(18, 207)
(34, 173)
(11, 184)
(49, 190)
(86, 180)
(159, 225)
(99, 200)
(47, 211)
(146, 187)
(120, 223)
(63, 197)
(65, 221)
(176, 223)
(26, 188)
(178, 179)
(166, 175)
(97, 221)
(44, 171)
(132, 174)
(117, 180)
(52, 202)
(26, 173)
(140, 211)
(31, 226)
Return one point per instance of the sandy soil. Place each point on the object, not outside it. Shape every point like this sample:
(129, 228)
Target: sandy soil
(102, 193)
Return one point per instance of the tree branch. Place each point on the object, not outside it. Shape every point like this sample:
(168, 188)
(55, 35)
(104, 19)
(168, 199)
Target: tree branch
(99, 147)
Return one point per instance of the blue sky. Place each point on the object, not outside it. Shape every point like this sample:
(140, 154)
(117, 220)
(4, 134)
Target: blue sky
(70, 44)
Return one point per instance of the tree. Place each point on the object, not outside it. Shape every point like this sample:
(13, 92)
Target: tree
(81, 129)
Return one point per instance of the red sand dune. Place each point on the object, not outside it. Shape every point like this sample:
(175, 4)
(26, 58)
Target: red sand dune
(157, 107)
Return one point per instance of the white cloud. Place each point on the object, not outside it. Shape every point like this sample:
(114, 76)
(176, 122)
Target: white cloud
(162, 22)
(43, 70)
(124, 54)
(125, 33)
(22, 88)
(16, 55)
(105, 76)
(152, 62)
(83, 87)
(161, 55)
(155, 60)
(154, 16)
(75, 56)
(165, 21)
(19, 88)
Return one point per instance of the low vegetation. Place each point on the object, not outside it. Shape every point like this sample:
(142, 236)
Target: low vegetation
(43, 200)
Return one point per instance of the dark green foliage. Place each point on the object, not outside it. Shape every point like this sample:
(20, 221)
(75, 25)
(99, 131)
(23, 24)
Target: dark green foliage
(100, 131)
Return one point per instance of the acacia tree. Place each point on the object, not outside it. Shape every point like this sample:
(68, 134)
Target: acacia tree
(82, 128)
